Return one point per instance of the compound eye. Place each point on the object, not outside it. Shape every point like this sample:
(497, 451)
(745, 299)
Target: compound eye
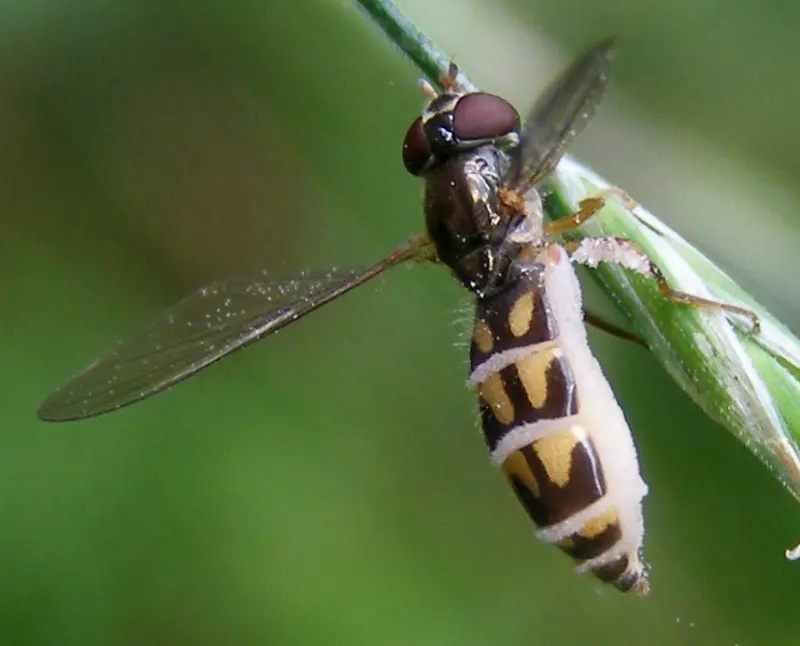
(480, 116)
(416, 149)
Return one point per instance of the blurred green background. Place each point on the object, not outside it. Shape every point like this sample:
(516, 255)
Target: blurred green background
(330, 486)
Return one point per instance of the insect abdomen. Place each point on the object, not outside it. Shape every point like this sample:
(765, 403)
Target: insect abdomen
(552, 423)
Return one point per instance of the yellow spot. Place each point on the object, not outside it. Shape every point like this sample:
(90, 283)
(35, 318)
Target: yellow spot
(533, 374)
(494, 394)
(516, 465)
(566, 543)
(597, 525)
(482, 335)
(521, 314)
(555, 453)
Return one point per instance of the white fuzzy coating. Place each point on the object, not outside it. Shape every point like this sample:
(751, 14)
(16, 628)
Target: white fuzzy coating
(600, 414)
(592, 251)
(526, 434)
(571, 525)
(500, 360)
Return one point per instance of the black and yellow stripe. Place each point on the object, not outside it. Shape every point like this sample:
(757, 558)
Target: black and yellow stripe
(526, 389)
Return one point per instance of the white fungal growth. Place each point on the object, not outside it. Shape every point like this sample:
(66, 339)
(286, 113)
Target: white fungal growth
(592, 251)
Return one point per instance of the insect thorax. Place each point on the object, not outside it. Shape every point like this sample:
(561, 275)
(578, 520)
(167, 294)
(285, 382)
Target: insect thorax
(476, 234)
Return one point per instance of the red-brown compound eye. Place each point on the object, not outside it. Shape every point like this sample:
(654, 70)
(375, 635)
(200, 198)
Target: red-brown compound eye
(480, 116)
(416, 151)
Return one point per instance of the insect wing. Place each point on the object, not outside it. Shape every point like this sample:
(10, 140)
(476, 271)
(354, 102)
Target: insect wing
(194, 333)
(558, 117)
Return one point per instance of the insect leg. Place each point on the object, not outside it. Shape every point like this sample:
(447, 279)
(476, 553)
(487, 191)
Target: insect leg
(418, 248)
(591, 251)
(447, 80)
(587, 208)
(609, 328)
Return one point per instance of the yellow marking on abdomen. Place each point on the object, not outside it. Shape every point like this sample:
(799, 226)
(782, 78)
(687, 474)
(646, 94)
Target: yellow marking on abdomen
(494, 393)
(599, 524)
(521, 315)
(517, 465)
(482, 334)
(555, 453)
(532, 371)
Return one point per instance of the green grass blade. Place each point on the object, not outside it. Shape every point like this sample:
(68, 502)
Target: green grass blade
(749, 384)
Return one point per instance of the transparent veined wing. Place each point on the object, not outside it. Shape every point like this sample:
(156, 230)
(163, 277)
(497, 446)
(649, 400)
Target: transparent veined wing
(558, 117)
(202, 328)
(192, 334)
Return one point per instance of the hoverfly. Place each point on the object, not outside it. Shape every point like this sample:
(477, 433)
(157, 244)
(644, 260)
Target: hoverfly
(550, 419)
